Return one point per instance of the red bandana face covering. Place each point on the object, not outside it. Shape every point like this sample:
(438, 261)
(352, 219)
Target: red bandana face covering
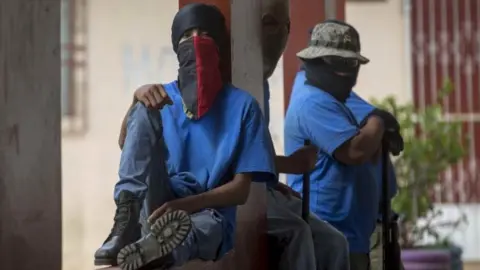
(199, 76)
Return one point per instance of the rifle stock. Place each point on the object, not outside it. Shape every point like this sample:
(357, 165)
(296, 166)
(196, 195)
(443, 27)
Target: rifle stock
(391, 254)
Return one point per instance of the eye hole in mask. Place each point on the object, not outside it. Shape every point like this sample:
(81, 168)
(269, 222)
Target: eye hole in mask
(341, 62)
(194, 32)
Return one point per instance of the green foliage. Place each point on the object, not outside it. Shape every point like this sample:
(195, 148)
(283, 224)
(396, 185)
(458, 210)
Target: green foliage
(432, 144)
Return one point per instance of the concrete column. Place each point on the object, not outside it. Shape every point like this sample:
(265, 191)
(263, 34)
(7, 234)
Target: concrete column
(330, 9)
(247, 73)
(30, 164)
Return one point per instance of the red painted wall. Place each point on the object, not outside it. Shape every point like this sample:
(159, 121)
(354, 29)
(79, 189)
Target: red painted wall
(304, 14)
(446, 45)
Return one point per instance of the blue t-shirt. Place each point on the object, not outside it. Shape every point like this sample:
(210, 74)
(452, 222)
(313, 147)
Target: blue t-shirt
(362, 109)
(346, 196)
(231, 138)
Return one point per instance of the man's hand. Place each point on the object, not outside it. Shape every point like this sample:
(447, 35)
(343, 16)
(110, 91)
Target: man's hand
(301, 161)
(394, 141)
(390, 122)
(304, 159)
(287, 191)
(392, 134)
(178, 204)
(153, 96)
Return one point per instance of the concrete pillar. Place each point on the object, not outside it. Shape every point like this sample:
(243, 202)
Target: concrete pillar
(30, 164)
(247, 73)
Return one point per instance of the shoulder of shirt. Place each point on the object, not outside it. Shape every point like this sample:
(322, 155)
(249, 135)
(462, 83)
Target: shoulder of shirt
(171, 88)
(313, 98)
(308, 92)
(234, 93)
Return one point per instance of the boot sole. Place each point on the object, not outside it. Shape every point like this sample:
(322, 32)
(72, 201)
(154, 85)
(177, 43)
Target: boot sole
(166, 233)
(105, 262)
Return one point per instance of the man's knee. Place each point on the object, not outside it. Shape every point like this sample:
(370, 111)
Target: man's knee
(339, 241)
(301, 230)
(143, 116)
(208, 229)
(323, 231)
(143, 123)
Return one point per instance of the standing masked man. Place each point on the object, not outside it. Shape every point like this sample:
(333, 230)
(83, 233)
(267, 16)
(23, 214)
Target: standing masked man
(185, 203)
(328, 248)
(343, 188)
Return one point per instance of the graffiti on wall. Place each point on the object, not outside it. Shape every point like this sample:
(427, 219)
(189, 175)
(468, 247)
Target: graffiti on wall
(147, 64)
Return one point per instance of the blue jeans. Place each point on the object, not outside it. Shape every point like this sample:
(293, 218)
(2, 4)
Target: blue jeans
(143, 172)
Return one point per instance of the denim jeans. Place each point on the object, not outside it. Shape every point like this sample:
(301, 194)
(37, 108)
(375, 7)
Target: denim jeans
(143, 172)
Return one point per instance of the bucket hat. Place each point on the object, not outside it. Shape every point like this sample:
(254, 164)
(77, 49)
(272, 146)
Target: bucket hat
(333, 38)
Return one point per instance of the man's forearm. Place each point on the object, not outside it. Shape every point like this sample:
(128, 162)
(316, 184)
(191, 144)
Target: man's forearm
(230, 194)
(369, 140)
(286, 165)
(364, 145)
(281, 164)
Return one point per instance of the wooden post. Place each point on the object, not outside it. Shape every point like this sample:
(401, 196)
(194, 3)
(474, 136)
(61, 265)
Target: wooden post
(30, 162)
(304, 14)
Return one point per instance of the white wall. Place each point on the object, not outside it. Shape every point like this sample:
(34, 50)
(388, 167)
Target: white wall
(90, 163)
(129, 45)
(381, 28)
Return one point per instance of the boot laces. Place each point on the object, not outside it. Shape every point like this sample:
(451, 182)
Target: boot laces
(121, 219)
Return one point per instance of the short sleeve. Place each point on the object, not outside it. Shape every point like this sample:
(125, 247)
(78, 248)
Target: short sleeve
(326, 123)
(360, 108)
(256, 153)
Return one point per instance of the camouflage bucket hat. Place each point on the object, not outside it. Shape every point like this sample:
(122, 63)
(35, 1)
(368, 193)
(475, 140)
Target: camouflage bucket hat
(332, 38)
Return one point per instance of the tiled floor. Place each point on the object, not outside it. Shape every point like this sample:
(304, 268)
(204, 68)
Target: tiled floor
(472, 266)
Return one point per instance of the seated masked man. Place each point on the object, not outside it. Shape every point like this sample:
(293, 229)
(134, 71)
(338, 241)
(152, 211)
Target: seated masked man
(185, 168)
(295, 243)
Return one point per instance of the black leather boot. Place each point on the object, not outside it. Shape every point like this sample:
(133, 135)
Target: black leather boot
(126, 229)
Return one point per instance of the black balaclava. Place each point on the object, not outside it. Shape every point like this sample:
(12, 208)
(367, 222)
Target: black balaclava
(204, 17)
(200, 77)
(324, 75)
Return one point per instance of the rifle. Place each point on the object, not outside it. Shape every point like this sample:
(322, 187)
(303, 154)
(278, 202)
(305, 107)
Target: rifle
(391, 254)
(306, 192)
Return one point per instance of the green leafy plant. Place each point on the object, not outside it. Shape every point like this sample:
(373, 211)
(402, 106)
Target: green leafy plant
(432, 145)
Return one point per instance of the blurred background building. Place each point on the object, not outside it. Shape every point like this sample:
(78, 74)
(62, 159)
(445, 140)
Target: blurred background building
(110, 47)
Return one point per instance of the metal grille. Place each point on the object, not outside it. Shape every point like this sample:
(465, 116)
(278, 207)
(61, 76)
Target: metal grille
(446, 45)
(73, 53)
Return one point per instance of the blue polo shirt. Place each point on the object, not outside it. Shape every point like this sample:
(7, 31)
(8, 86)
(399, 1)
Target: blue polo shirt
(346, 196)
(231, 138)
(361, 109)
